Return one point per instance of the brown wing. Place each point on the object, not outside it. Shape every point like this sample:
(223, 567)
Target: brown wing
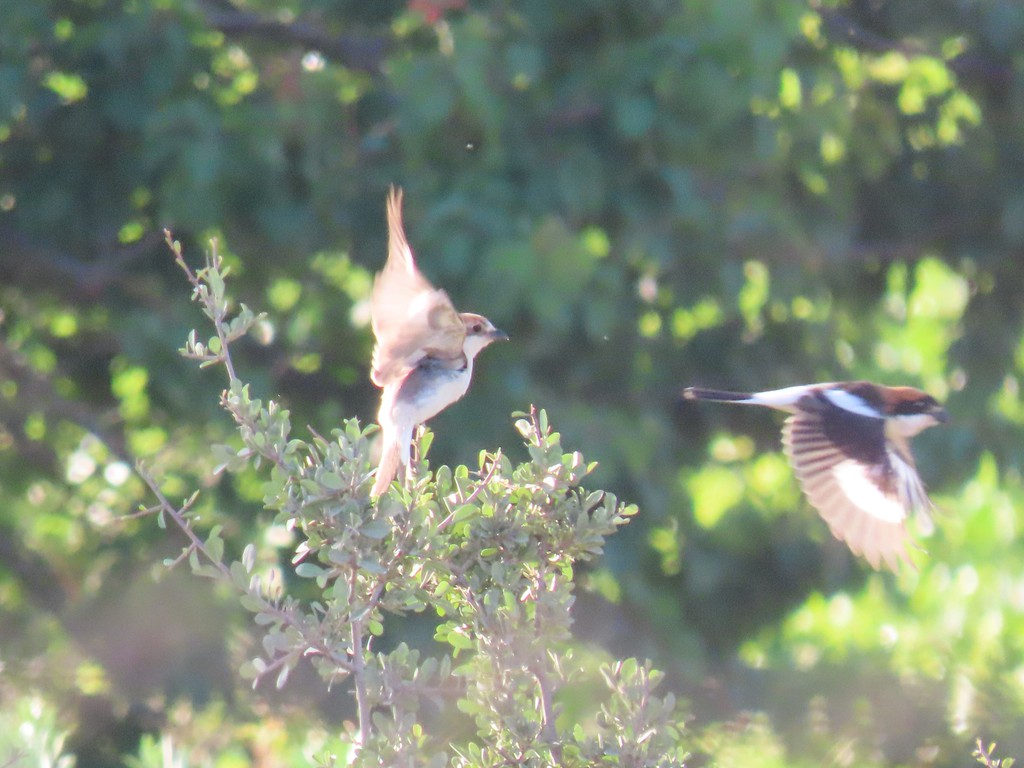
(865, 504)
(410, 317)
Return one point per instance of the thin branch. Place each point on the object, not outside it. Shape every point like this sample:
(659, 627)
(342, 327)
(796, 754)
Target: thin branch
(24, 261)
(984, 755)
(179, 516)
(216, 310)
(185, 554)
(483, 483)
(218, 313)
(548, 732)
(244, 421)
(359, 673)
(147, 512)
(272, 667)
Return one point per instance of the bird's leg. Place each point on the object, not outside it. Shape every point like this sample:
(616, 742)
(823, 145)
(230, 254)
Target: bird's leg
(420, 429)
(415, 458)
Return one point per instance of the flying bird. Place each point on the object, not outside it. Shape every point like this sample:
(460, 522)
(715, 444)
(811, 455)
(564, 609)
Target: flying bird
(849, 446)
(424, 351)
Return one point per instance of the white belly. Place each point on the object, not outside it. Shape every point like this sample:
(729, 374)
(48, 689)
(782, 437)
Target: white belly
(405, 407)
(432, 402)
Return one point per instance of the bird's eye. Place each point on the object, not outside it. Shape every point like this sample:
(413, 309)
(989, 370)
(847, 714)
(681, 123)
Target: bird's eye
(477, 328)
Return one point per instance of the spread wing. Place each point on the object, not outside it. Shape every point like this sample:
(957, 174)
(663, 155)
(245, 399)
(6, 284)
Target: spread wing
(410, 317)
(861, 486)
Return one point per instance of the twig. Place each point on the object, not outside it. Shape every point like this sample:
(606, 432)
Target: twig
(217, 310)
(267, 606)
(359, 673)
(141, 513)
(476, 491)
(984, 755)
(548, 732)
(178, 515)
(185, 554)
(243, 421)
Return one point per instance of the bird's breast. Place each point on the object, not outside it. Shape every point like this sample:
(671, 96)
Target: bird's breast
(429, 389)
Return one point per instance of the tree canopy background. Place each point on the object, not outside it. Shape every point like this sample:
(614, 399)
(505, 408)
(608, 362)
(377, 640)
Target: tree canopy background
(645, 195)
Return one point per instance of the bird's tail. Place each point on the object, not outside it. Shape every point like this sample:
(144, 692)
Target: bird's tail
(390, 459)
(716, 395)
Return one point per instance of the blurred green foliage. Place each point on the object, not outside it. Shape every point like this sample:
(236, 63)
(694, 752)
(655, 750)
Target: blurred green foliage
(645, 195)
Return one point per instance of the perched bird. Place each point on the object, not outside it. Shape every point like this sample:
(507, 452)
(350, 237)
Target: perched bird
(423, 357)
(848, 444)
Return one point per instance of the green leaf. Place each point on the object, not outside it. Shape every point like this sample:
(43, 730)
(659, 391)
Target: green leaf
(215, 544)
(309, 570)
(426, 440)
(249, 557)
(216, 283)
(376, 529)
(458, 641)
(372, 566)
(332, 480)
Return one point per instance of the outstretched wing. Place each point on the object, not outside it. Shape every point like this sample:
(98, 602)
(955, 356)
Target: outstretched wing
(410, 317)
(861, 487)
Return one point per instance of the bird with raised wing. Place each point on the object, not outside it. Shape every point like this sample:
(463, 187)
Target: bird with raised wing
(424, 351)
(849, 446)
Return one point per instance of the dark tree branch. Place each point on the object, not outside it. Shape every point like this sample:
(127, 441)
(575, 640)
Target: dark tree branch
(32, 571)
(26, 262)
(37, 393)
(841, 29)
(355, 52)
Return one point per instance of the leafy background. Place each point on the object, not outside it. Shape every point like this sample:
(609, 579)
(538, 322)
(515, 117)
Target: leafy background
(645, 195)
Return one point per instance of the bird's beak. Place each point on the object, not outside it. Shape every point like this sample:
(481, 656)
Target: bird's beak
(940, 415)
(497, 335)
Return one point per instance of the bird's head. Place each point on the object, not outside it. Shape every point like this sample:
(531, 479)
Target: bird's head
(912, 410)
(479, 333)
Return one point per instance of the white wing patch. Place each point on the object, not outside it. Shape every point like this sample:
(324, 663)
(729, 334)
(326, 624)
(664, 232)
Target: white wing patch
(850, 495)
(854, 481)
(783, 399)
(840, 398)
(911, 491)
